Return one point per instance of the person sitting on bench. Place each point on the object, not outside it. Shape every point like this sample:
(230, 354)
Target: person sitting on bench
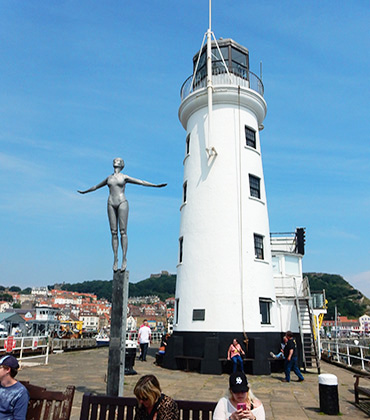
(282, 346)
(241, 404)
(153, 405)
(234, 354)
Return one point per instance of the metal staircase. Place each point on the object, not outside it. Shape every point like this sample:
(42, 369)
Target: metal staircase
(305, 318)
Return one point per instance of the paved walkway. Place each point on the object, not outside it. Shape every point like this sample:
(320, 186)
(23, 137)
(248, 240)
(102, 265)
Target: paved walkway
(87, 369)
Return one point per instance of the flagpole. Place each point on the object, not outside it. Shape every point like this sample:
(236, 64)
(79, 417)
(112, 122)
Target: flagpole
(210, 149)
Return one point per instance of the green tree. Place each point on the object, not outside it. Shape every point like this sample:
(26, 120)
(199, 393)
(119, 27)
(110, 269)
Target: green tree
(163, 286)
(6, 297)
(349, 301)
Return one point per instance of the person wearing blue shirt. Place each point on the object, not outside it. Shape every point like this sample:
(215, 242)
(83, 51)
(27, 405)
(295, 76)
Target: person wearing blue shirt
(13, 395)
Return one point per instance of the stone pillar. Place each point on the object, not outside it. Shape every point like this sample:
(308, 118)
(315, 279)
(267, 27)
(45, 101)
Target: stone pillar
(117, 342)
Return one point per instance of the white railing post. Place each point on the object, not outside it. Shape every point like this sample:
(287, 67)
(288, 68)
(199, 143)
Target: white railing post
(22, 345)
(348, 355)
(47, 350)
(362, 358)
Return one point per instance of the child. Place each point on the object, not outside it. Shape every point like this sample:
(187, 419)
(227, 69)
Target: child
(281, 354)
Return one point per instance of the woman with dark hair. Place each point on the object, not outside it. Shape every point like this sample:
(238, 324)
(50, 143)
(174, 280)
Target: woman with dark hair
(234, 354)
(241, 403)
(152, 404)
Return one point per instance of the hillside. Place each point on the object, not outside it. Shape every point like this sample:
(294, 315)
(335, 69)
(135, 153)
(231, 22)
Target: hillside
(350, 302)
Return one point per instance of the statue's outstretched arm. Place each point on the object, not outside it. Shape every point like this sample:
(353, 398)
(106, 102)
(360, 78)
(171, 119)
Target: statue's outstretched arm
(95, 187)
(144, 183)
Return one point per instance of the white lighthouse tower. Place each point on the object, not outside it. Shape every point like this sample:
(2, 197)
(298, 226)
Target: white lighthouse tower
(225, 287)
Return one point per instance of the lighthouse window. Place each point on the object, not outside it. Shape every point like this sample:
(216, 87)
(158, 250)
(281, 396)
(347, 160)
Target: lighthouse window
(265, 306)
(250, 137)
(199, 314)
(258, 246)
(217, 60)
(239, 63)
(181, 243)
(187, 144)
(184, 191)
(177, 302)
(254, 186)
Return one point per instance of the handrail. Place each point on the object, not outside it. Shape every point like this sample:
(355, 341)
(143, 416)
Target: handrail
(29, 348)
(244, 78)
(346, 353)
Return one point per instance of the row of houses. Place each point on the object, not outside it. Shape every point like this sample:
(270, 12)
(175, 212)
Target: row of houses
(344, 326)
(47, 309)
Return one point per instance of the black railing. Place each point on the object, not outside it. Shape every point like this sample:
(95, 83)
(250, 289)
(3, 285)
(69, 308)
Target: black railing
(238, 76)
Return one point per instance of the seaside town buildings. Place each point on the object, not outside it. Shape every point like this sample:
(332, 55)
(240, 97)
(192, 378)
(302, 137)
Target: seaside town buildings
(61, 306)
(52, 308)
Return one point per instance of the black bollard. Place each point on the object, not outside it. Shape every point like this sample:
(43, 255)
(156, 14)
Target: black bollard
(328, 391)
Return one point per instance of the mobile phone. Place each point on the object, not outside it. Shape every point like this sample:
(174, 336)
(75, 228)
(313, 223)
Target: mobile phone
(242, 406)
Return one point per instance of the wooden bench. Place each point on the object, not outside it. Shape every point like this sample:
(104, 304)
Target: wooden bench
(49, 405)
(227, 364)
(361, 390)
(102, 407)
(188, 359)
(277, 365)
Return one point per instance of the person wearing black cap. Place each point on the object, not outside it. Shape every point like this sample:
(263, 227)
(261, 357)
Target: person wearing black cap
(13, 395)
(241, 404)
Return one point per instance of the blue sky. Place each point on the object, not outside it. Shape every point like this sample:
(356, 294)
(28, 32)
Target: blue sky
(84, 82)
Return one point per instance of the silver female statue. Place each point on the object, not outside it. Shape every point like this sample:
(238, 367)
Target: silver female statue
(118, 206)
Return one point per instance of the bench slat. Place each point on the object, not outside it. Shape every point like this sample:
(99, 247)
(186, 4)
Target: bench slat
(103, 412)
(48, 405)
(90, 403)
(112, 412)
(129, 412)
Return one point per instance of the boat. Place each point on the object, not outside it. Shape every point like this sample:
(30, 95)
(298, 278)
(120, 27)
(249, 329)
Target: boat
(102, 340)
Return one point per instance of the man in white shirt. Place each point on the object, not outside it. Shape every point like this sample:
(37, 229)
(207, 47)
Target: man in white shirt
(144, 338)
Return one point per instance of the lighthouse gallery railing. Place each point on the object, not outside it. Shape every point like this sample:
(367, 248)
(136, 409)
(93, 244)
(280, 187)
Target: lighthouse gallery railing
(243, 78)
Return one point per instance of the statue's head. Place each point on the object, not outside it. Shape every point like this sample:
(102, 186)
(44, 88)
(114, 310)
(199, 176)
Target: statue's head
(118, 163)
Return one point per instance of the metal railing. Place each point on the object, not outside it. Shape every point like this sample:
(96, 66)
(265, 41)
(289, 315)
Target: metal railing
(25, 349)
(246, 79)
(156, 336)
(347, 353)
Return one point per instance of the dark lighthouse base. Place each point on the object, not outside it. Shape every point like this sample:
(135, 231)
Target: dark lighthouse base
(206, 352)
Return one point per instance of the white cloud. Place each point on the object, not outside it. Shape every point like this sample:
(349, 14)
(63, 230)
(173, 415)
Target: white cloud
(14, 164)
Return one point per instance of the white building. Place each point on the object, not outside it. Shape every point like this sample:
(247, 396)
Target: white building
(364, 321)
(40, 291)
(229, 282)
(90, 321)
(4, 305)
(68, 299)
(46, 313)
